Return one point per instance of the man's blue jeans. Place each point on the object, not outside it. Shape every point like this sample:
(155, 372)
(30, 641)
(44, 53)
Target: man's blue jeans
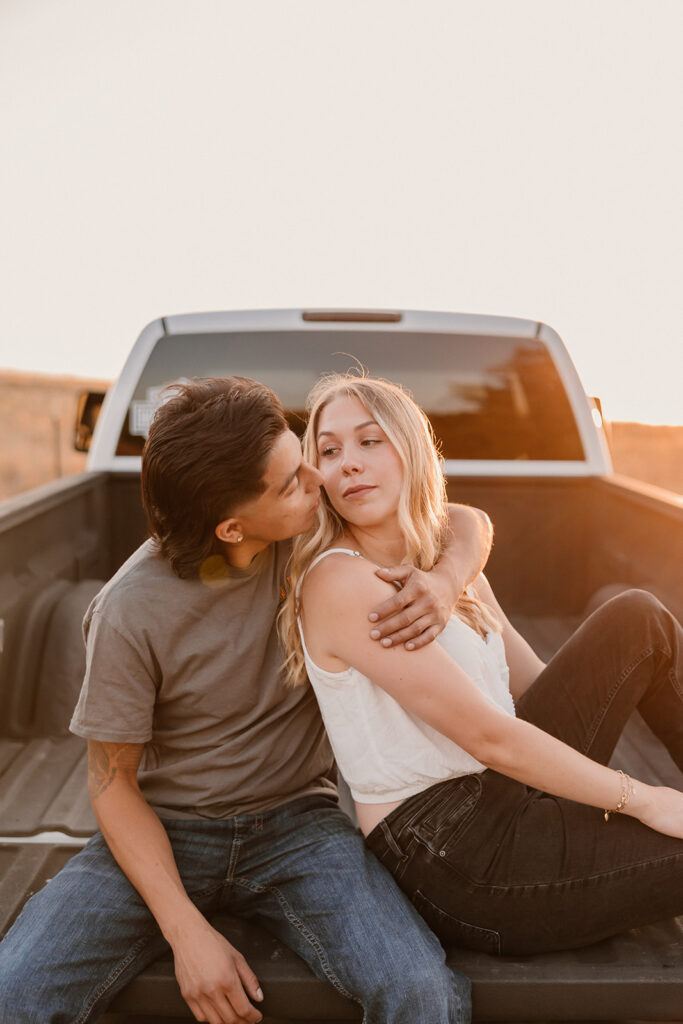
(300, 870)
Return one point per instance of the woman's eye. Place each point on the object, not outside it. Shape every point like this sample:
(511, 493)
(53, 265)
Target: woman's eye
(327, 451)
(370, 441)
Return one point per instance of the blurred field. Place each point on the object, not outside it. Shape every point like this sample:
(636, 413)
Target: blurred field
(37, 425)
(37, 416)
(653, 454)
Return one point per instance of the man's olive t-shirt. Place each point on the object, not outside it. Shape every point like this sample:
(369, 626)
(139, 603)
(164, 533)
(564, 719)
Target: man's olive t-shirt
(192, 669)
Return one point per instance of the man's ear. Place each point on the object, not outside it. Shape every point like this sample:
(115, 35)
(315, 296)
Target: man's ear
(230, 531)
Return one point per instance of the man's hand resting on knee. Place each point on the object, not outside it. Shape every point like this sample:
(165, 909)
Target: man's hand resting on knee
(215, 980)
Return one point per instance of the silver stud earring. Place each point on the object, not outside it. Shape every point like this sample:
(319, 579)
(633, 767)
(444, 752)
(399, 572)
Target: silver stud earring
(238, 540)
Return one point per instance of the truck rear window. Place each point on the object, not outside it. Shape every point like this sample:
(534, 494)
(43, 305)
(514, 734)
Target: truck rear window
(487, 397)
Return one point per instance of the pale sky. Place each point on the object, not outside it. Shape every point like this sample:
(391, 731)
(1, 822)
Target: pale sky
(520, 157)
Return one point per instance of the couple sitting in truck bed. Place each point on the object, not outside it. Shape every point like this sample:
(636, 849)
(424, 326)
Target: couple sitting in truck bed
(479, 774)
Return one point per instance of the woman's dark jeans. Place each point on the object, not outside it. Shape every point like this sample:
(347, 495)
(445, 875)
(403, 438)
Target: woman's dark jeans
(496, 866)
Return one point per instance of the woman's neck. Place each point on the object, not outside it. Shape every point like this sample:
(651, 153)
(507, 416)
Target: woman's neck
(383, 545)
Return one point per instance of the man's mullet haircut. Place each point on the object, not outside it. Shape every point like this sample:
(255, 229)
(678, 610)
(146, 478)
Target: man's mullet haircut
(205, 455)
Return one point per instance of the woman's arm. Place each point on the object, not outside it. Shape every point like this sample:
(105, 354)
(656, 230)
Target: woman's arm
(432, 686)
(213, 976)
(416, 614)
(524, 664)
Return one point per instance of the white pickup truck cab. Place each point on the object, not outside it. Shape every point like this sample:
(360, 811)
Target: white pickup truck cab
(502, 393)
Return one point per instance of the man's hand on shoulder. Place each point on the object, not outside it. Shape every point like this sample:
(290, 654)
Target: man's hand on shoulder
(417, 613)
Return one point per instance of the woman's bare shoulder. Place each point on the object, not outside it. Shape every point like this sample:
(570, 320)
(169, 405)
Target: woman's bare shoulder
(340, 573)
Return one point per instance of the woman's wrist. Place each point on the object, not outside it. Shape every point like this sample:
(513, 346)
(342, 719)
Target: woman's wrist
(639, 801)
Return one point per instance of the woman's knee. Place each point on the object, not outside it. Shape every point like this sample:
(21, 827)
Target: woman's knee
(636, 606)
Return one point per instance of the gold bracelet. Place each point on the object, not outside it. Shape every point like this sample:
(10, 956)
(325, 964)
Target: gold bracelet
(626, 794)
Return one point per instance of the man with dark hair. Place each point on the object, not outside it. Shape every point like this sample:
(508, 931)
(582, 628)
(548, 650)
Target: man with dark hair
(183, 472)
(211, 781)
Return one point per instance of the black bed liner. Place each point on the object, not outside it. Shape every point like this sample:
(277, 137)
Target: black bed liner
(635, 975)
(43, 787)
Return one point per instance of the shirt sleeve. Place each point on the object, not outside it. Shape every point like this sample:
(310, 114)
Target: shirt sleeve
(116, 702)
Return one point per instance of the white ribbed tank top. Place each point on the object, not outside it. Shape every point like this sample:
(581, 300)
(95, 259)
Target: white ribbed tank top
(384, 752)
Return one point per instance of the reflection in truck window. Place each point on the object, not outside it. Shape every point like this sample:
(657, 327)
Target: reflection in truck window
(487, 397)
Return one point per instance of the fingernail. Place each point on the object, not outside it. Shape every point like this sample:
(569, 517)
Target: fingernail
(375, 634)
(373, 616)
(259, 993)
(410, 647)
(386, 642)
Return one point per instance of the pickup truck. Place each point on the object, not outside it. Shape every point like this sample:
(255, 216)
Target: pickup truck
(519, 438)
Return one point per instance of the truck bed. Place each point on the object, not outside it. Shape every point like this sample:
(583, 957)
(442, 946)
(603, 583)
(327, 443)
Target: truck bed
(635, 975)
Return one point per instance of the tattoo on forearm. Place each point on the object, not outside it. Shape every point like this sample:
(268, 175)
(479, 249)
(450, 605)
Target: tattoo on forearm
(106, 761)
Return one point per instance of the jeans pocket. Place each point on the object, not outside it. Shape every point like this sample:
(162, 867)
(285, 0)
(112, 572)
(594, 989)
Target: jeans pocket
(447, 820)
(452, 929)
(385, 847)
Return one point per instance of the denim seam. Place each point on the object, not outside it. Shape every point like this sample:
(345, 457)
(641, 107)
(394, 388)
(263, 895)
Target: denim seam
(234, 851)
(490, 934)
(112, 978)
(675, 683)
(600, 717)
(120, 967)
(391, 842)
(569, 882)
(304, 930)
(463, 822)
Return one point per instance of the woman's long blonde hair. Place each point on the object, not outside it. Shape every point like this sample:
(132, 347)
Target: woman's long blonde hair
(422, 513)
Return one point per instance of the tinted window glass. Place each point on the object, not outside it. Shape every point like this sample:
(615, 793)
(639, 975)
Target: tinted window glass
(487, 398)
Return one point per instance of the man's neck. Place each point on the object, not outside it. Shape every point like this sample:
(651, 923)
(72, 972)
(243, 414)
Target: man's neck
(242, 555)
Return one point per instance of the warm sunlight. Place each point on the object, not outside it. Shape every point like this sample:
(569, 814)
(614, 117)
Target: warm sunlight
(341, 511)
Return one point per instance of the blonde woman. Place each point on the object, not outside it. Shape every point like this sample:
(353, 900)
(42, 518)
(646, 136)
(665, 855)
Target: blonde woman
(478, 773)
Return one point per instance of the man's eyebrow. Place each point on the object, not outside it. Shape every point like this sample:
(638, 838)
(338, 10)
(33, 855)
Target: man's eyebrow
(359, 426)
(288, 480)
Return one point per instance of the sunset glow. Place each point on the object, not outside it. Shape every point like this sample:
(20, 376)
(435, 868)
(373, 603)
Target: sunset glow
(518, 159)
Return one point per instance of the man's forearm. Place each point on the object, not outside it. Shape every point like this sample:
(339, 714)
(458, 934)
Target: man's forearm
(213, 976)
(141, 848)
(467, 546)
(134, 833)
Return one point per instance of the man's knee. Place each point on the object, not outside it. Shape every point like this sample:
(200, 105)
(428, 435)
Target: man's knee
(426, 992)
(16, 994)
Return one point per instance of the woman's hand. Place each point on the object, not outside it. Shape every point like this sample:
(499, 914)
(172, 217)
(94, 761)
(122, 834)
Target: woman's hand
(658, 807)
(415, 614)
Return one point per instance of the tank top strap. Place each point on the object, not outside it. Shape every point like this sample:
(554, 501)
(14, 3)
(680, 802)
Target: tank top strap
(333, 551)
(319, 558)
